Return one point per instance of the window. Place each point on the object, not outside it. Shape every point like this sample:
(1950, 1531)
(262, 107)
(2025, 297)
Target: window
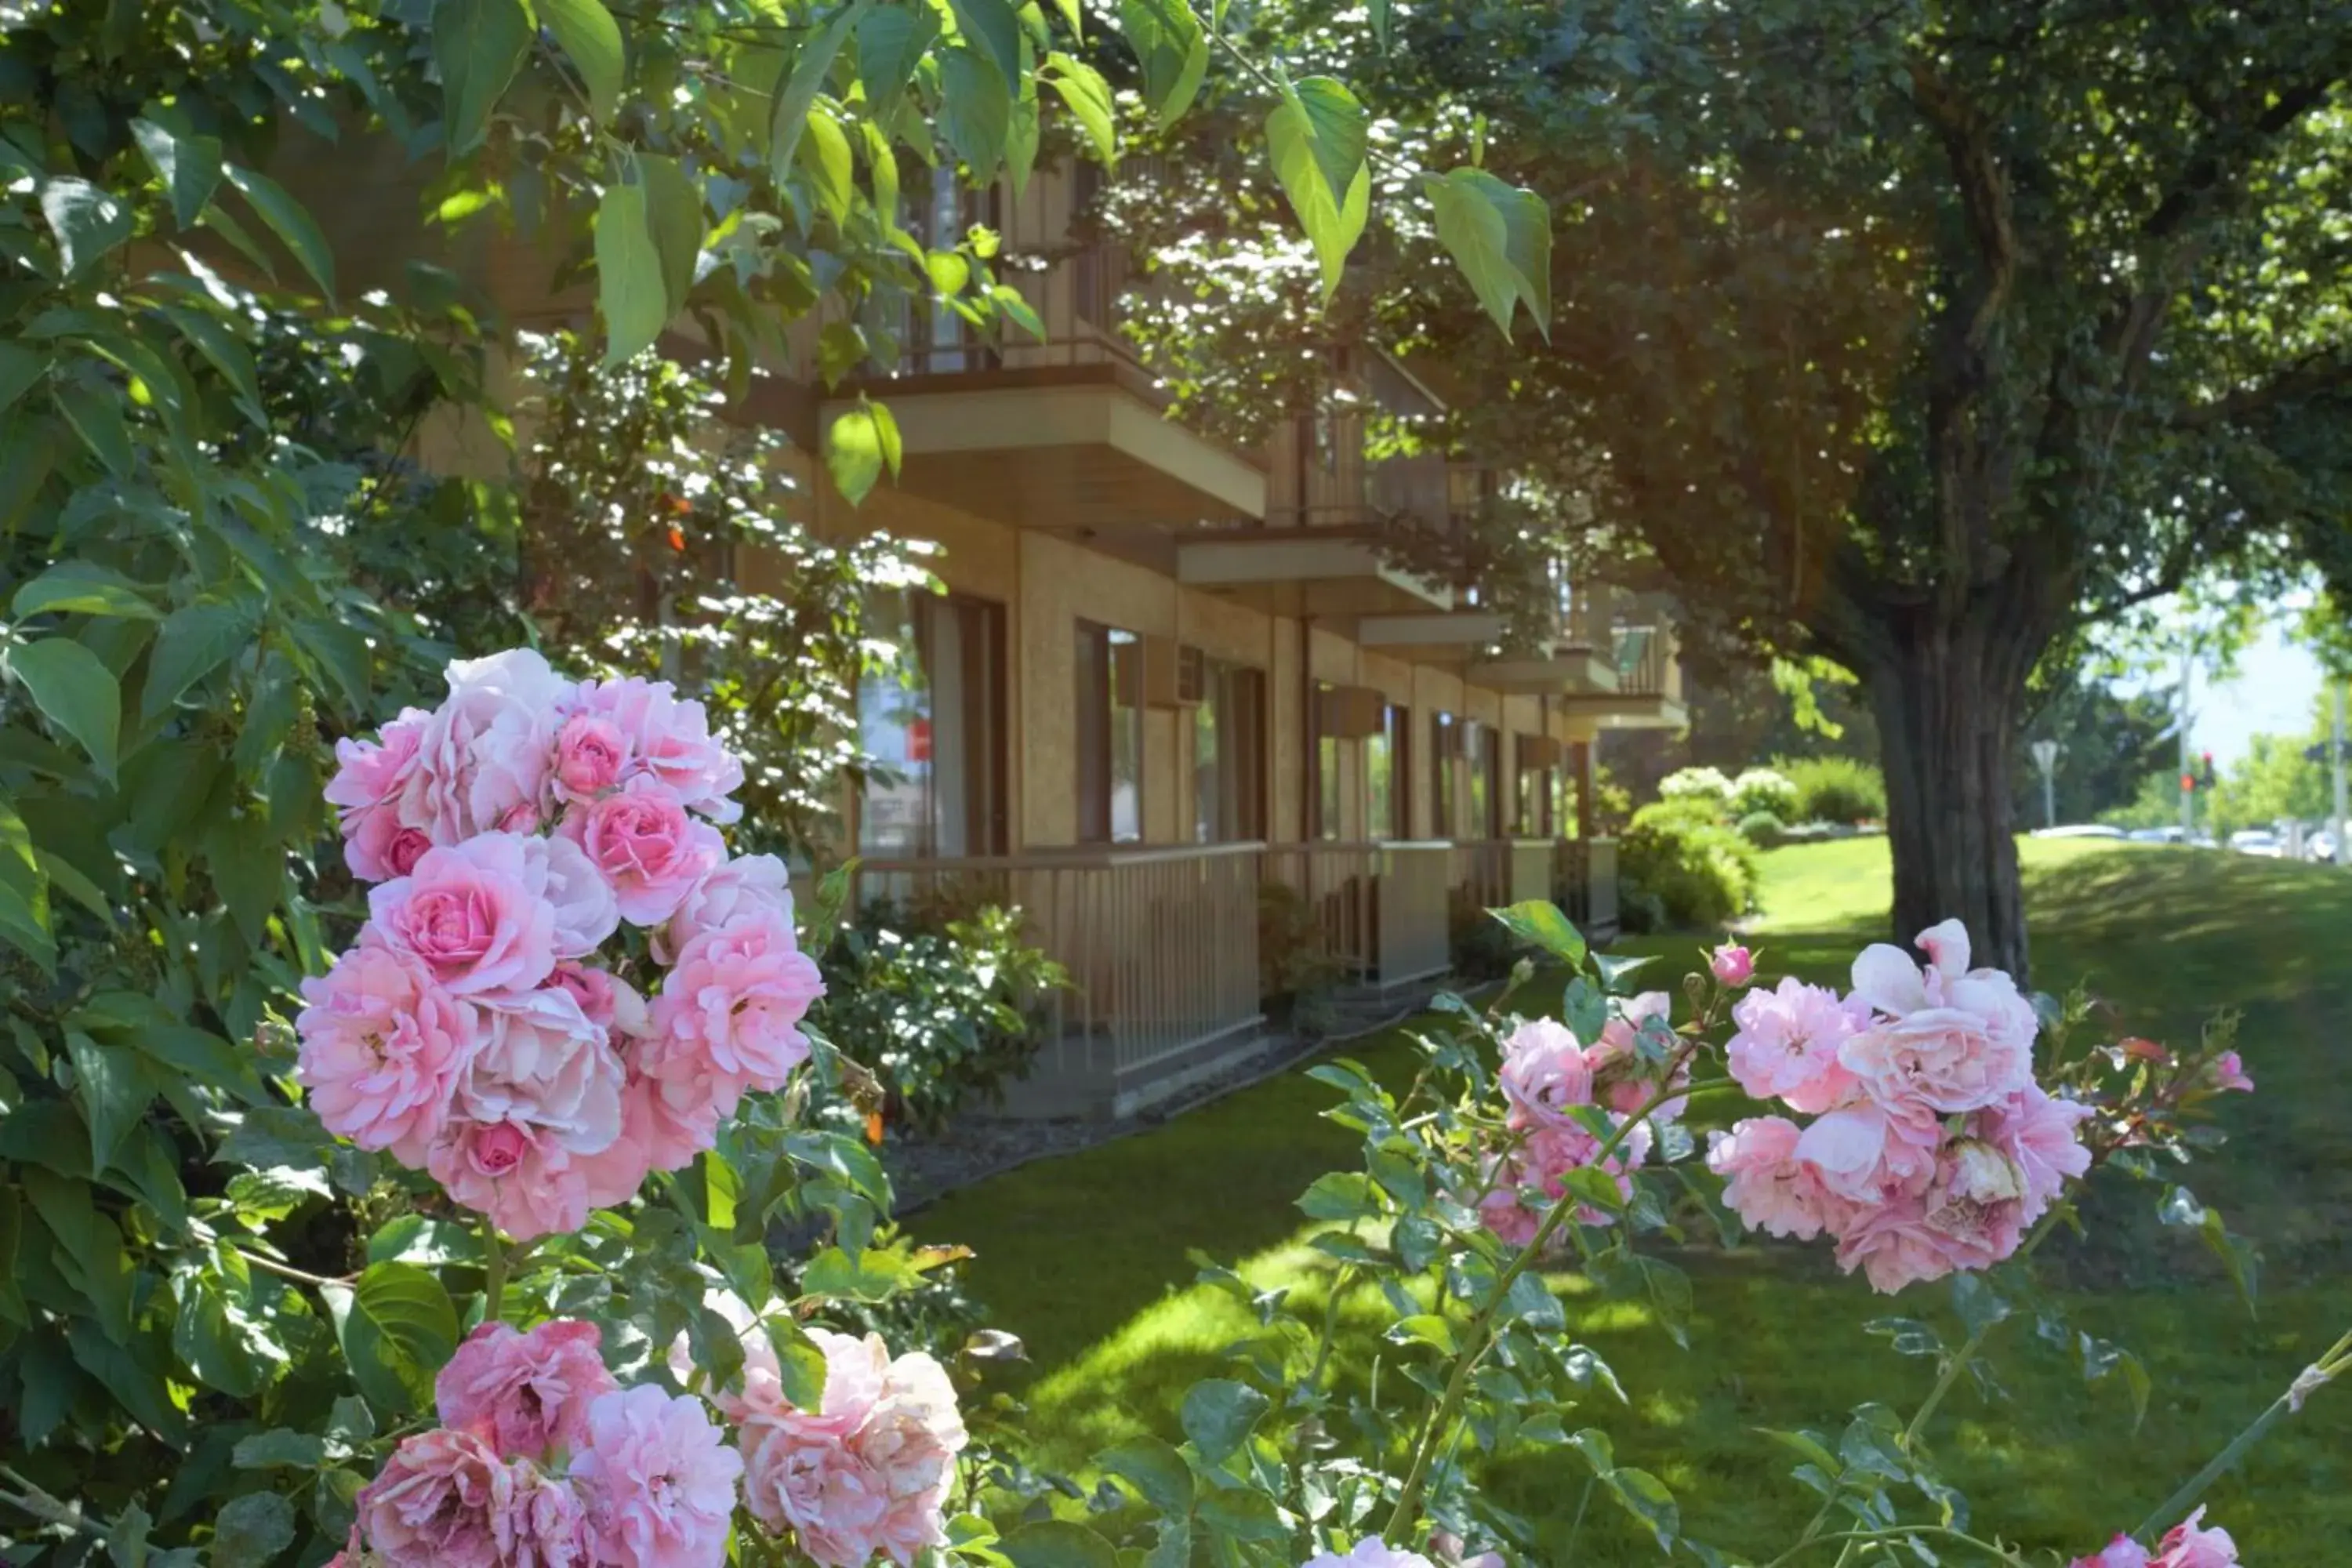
(1533, 818)
(1445, 797)
(1229, 755)
(1110, 735)
(1388, 776)
(934, 727)
(1327, 765)
(1483, 742)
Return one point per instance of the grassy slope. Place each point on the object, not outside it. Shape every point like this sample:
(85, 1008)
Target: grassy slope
(1084, 1255)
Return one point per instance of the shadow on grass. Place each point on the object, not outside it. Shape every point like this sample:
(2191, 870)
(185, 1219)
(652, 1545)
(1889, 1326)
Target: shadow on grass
(1084, 1257)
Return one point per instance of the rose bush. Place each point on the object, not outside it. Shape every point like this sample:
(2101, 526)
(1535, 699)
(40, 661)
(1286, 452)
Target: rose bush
(582, 1028)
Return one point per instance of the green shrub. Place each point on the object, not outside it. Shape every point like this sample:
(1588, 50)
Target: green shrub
(1297, 976)
(1763, 829)
(1835, 789)
(1764, 790)
(1477, 944)
(1705, 786)
(942, 1017)
(1686, 872)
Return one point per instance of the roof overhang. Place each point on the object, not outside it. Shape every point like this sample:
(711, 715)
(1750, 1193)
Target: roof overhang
(1306, 571)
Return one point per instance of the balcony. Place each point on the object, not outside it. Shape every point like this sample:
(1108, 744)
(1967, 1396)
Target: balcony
(1378, 909)
(1646, 690)
(1069, 434)
(1161, 949)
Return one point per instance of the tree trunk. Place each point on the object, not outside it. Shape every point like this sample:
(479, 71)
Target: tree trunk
(1947, 700)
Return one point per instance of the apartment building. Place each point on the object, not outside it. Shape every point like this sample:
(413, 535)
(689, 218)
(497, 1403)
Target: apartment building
(1168, 676)
(1169, 679)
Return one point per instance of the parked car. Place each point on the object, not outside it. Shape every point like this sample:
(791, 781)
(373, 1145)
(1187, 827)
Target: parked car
(2155, 835)
(2257, 841)
(2080, 830)
(2320, 844)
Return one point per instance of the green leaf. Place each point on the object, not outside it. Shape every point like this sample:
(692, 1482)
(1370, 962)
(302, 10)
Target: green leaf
(1155, 1469)
(189, 166)
(281, 1449)
(799, 1362)
(1500, 236)
(249, 870)
(1426, 1328)
(126, 1543)
(1241, 1513)
(97, 417)
(1057, 1544)
(1317, 137)
(873, 1275)
(23, 893)
(891, 40)
(1341, 1195)
(196, 639)
(811, 64)
(1540, 923)
(74, 688)
(20, 368)
(992, 25)
(114, 1086)
(251, 1530)
(673, 213)
(1218, 1414)
(83, 588)
(1172, 48)
(977, 111)
(290, 222)
(479, 45)
(397, 1329)
(225, 354)
(1089, 99)
(858, 447)
(630, 289)
(88, 222)
(825, 156)
(592, 42)
(1023, 133)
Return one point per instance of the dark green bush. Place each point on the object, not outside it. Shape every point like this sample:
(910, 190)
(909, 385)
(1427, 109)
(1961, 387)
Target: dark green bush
(1297, 976)
(1684, 870)
(942, 1017)
(1835, 789)
(1763, 829)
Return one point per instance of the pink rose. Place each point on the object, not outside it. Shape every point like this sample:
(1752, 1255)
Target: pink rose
(1768, 1186)
(523, 1178)
(369, 778)
(1895, 1246)
(1544, 1073)
(1372, 1551)
(487, 749)
(1540, 1163)
(590, 753)
(2186, 1545)
(669, 743)
(1865, 1154)
(1975, 1201)
(645, 847)
(445, 1501)
(470, 915)
(869, 1472)
(1935, 1062)
(586, 913)
(659, 1481)
(1892, 984)
(730, 1008)
(1787, 1044)
(1621, 1080)
(2122, 1551)
(524, 1394)
(2039, 1134)
(2228, 1072)
(407, 847)
(1453, 1553)
(762, 1391)
(609, 1001)
(382, 1050)
(542, 1064)
(747, 885)
(1732, 964)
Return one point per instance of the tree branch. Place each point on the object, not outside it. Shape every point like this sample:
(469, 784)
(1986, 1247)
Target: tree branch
(2315, 375)
(1984, 189)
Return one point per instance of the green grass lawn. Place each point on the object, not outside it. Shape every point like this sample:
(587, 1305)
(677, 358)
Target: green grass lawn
(1084, 1256)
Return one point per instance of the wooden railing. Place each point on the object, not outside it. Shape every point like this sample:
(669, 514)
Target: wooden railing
(1379, 910)
(1646, 666)
(1492, 872)
(1161, 944)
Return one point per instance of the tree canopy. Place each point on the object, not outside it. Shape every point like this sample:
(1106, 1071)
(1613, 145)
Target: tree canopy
(1910, 336)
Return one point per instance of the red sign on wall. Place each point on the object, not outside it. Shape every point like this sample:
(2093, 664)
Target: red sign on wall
(919, 741)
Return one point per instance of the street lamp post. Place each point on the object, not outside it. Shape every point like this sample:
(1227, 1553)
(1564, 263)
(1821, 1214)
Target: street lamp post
(2045, 757)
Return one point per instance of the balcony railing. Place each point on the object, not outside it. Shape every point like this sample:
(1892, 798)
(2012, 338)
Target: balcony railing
(1644, 656)
(1493, 872)
(1160, 945)
(1378, 909)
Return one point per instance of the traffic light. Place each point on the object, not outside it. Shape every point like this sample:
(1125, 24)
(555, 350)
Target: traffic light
(2188, 784)
(2206, 777)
